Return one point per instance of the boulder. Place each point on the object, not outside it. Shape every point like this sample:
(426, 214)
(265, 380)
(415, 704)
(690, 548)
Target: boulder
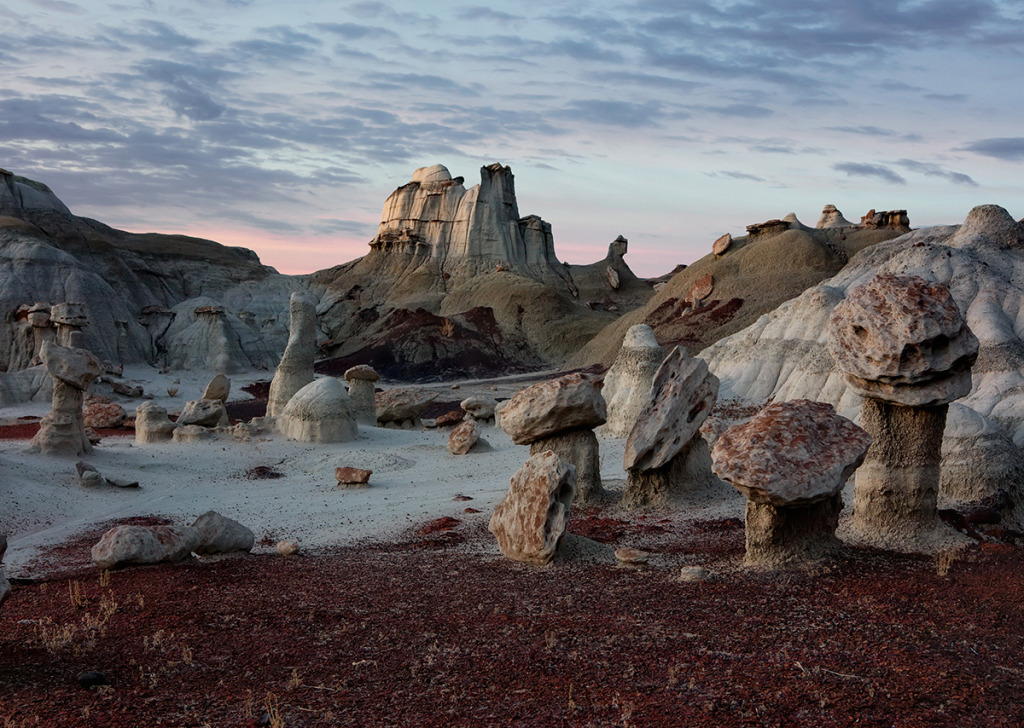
(288, 548)
(319, 412)
(352, 476)
(402, 403)
(205, 413)
(480, 407)
(683, 394)
(192, 433)
(103, 416)
(126, 545)
(463, 438)
(791, 461)
(76, 367)
(627, 385)
(221, 535)
(903, 340)
(701, 288)
(218, 388)
(570, 402)
(612, 276)
(449, 418)
(722, 244)
(530, 520)
(152, 424)
(296, 368)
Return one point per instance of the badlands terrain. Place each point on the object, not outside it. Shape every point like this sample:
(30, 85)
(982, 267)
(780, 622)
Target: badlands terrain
(400, 607)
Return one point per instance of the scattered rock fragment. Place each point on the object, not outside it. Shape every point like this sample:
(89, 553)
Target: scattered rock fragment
(205, 413)
(631, 556)
(218, 388)
(722, 244)
(103, 416)
(693, 573)
(288, 548)
(530, 520)
(221, 535)
(352, 477)
(463, 438)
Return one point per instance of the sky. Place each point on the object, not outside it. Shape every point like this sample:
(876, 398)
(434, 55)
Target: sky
(284, 126)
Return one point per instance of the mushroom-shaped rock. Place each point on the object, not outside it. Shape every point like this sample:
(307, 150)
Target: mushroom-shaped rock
(218, 388)
(903, 340)
(125, 545)
(152, 424)
(903, 345)
(464, 437)
(559, 415)
(683, 394)
(319, 412)
(791, 461)
(360, 380)
(221, 535)
(62, 431)
(666, 457)
(402, 403)
(530, 520)
(557, 405)
(296, 368)
(627, 385)
(205, 413)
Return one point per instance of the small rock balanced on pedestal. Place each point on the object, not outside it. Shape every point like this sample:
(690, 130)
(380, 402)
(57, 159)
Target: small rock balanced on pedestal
(666, 456)
(791, 462)
(62, 431)
(904, 346)
(559, 415)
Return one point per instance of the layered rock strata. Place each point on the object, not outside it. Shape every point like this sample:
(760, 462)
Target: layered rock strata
(791, 461)
(530, 520)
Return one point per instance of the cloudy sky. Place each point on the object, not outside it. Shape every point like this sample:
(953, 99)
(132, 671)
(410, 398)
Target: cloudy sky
(283, 126)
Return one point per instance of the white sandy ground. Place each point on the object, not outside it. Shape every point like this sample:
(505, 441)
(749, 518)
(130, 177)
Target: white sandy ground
(414, 478)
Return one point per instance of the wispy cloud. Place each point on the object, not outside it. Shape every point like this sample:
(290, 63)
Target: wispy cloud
(1008, 148)
(934, 170)
(856, 169)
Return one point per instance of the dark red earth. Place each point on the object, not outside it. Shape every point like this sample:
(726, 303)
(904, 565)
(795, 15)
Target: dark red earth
(438, 630)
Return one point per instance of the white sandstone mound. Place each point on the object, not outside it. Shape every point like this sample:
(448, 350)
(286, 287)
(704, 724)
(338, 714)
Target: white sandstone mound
(784, 354)
(319, 412)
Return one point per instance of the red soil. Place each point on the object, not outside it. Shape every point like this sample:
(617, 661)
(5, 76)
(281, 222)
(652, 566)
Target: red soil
(421, 633)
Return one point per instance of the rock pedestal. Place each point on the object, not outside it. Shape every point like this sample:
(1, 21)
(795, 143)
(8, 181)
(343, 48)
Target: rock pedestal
(62, 431)
(69, 318)
(791, 462)
(362, 393)
(530, 520)
(903, 345)
(559, 415)
(666, 457)
(296, 368)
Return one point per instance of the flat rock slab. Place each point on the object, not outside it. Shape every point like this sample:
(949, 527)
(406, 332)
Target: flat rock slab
(530, 520)
(682, 396)
(903, 339)
(567, 403)
(791, 453)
